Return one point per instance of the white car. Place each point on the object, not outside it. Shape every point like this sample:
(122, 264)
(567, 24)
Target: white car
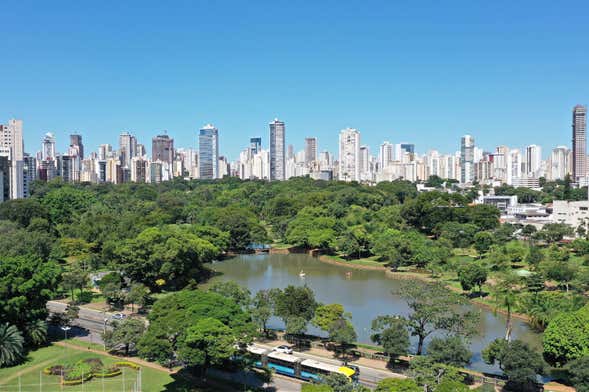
(283, 349)
(118, 316)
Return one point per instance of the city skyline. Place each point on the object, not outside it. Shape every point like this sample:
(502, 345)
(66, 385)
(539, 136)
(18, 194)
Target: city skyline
(62, 140)
(395, 73)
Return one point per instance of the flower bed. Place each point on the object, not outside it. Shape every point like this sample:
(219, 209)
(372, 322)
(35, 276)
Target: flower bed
(83, 371)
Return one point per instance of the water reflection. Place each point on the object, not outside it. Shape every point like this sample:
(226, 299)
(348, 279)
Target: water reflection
(366, 294)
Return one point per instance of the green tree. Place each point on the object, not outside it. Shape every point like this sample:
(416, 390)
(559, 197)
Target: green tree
(579, 371)
(434, 308)
(126, 333)
(567, 337)
(397, 385)
(168, 252)
(172, 316)
(534, 256)
(518, 361)
(561, 271)
(392, 334)
(472, 275)
(230, 289)
(429, 374)
(26, 284)
(294, 305)
(451, 386)
(262, 309)
(341, 331)
(325, 315)
(138, 295)
(208, 342)
(450, 351)
(111, 286)
(505, 295)
(36, 333)
(11, 345)
(483, 241)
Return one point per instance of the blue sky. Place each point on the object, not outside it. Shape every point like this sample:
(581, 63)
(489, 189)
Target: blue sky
(423, 72)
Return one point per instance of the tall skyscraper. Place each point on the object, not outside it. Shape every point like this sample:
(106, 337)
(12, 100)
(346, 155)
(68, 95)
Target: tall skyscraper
(533, 160)
(48, 147)
(310, 150)
(16, 147)
(77, 145)
(277, 150)
(127, 147)
(349, 155)
(162, 149)
(385, 155)
(255, 145)
(208, 152)
(466, 159)
(579, 142)
(559, 163)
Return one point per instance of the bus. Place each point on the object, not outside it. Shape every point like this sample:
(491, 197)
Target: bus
(292, 366)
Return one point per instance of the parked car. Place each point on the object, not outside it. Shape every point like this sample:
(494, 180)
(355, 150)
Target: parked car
(283, 349)
(119, 316)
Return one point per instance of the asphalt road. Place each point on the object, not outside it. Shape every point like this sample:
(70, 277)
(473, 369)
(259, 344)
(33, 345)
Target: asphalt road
(94, 322)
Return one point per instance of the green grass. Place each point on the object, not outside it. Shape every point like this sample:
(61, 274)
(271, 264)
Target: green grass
(152, 380)
(86, 344)
(370, 261)
(281, 246)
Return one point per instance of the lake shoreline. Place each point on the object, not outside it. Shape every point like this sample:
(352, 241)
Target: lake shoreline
(416, 276)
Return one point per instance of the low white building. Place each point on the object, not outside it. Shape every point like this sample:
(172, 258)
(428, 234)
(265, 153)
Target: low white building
(573, 213)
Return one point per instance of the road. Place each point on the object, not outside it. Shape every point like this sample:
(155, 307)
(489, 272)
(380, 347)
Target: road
(93, 321)
(90, 319)
(368, 376)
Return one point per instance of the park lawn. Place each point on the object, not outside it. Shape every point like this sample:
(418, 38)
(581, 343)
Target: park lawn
(86, 344)
(369, 261)
(153, 380)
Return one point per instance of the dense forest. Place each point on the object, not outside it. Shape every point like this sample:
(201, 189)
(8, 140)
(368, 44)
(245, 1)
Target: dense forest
(154, 238)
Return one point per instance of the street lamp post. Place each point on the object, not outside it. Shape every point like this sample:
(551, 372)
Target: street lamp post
(103, 332)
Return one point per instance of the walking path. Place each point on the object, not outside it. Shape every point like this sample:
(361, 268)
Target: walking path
(40, 365)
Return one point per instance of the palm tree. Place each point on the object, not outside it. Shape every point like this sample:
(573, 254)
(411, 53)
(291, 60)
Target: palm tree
(11, 345)
(37, 332)
(505, 295)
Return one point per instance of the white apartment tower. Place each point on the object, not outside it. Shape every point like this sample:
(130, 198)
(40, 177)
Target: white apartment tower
(466, 159)
(277, 149)
(349, 155)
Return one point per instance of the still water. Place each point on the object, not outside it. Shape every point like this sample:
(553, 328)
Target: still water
(365, 294)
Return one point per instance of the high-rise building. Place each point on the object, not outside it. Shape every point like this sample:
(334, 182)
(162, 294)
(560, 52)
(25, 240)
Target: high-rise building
(310, 150)
(408, 147)
(385, 155)
(104, 152)
(466, 159)
(4, 177)
(579, 142)
(256, 145)
(349, 155)
(559, 163)
(127, 147)
(29, 174)
(77, 146)
(162, 149)
(533, 160)
(277, 150)
(208, 152)
(48, 147)
(12, 140)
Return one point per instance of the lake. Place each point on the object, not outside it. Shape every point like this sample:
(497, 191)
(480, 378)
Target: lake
(365, 294)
